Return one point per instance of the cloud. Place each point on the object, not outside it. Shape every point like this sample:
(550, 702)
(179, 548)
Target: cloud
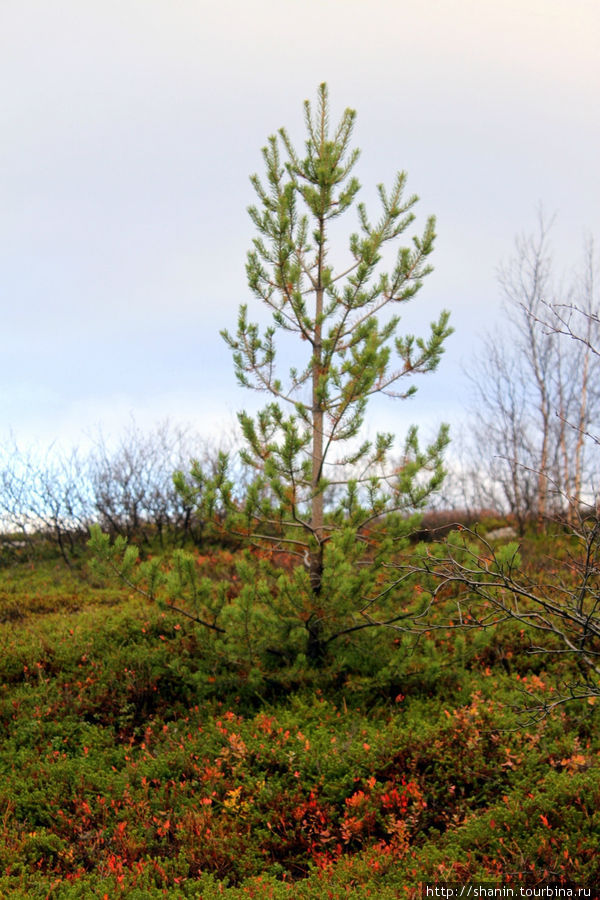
(131, 127)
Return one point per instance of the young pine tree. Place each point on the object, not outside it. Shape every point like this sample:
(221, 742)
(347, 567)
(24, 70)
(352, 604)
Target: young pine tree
(304, 446)
(335, 505)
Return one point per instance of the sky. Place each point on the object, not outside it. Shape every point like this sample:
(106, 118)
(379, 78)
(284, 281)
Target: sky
(130, 129)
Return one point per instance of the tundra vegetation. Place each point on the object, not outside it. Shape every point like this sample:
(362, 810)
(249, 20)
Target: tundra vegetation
(270, 676)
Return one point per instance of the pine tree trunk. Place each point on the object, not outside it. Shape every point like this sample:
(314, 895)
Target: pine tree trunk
(315, 645)
(317, 507)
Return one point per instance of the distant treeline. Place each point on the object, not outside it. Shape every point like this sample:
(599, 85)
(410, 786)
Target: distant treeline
(125, 486)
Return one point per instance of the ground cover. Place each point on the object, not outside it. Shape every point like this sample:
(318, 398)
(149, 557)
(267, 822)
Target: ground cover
(137, 760)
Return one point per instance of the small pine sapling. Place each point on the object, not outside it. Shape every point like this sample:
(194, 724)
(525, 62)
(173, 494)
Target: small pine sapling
(325, 510)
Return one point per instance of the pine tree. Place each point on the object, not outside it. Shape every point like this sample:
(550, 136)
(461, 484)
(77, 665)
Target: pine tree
(337, 505)
(305, 444)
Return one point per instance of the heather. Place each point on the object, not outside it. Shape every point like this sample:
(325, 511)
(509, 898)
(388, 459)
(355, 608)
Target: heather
(139, 759)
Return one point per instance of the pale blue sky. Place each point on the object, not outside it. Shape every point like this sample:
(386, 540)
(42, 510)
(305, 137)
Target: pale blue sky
(130, 129)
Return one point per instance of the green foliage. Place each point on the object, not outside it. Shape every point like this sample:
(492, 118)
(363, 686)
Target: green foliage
(139, 760)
